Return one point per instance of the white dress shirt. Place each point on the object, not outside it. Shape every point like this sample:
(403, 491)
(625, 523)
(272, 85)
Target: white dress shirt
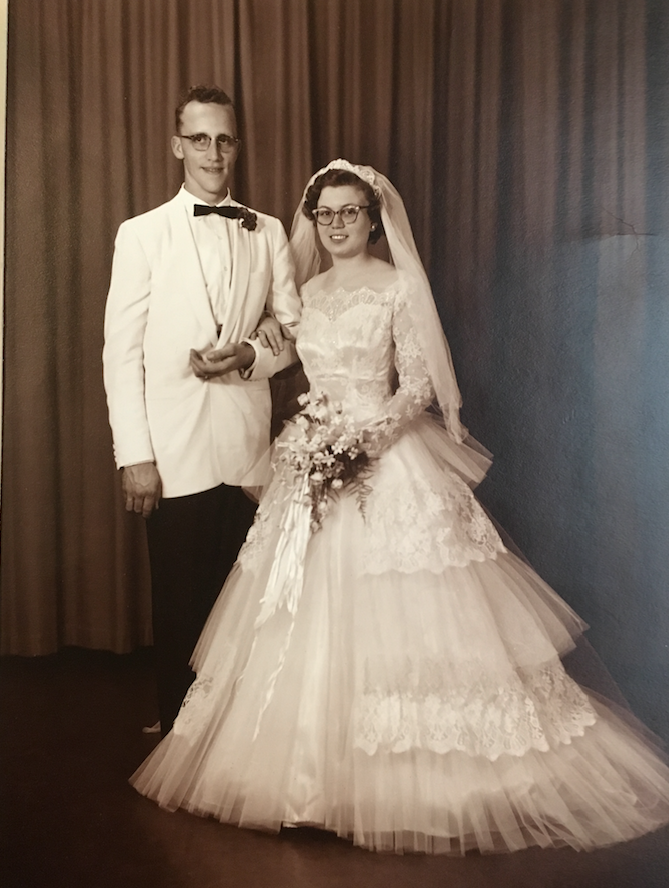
(212, 240)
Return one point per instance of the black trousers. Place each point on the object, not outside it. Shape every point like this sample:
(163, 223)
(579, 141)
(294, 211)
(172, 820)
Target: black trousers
(193, 543)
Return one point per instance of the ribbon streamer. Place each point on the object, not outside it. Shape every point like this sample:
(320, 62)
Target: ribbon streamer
(286, 579)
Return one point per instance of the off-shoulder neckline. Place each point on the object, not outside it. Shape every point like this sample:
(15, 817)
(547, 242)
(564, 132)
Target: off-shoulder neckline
(397, 284)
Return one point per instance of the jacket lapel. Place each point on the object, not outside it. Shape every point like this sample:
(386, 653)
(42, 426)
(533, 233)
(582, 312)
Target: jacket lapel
(186, 272)
(240, 254)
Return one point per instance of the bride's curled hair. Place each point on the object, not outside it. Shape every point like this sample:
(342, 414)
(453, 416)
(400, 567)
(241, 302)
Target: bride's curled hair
(336, 178)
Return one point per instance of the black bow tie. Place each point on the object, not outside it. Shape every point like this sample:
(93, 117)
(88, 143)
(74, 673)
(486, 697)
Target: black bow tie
(249, 219)
(228, 212)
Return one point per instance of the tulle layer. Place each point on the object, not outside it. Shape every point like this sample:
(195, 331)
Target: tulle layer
(605, 787)
(409, 710)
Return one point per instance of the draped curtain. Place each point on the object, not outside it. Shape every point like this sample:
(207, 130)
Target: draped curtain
(521, 136)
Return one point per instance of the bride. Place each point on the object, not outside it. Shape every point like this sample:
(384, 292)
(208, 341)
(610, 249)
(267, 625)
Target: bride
(378, 663)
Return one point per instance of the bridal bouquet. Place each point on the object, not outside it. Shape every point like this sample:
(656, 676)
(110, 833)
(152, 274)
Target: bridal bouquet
(324, 448)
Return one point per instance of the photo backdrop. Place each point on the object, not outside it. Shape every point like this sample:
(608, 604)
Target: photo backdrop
(529, 140)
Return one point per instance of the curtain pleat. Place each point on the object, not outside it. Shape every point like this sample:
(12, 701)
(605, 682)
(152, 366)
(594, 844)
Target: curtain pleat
(516, 132)
(274, 96)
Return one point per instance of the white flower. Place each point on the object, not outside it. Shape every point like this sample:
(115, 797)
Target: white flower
(337, 483)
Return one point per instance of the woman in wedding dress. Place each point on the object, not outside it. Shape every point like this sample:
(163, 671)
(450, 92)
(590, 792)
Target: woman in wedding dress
(378, 663)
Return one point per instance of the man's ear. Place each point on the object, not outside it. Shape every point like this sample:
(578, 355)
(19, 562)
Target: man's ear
(177, 148)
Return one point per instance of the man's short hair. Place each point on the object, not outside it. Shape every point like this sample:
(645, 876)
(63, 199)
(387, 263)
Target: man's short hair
(204, 94)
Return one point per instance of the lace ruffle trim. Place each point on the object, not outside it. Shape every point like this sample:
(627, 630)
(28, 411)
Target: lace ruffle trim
(473, 713)
(333, 304)
(419, 527)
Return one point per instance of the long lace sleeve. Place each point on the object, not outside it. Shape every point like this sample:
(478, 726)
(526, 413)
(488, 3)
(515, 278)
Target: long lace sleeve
(414, 391)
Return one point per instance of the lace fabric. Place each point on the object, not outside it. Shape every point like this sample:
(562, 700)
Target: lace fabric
(335, 303)
(438, 707)
(360, 348)
(441, 524)
(373, 335)
(196, 708)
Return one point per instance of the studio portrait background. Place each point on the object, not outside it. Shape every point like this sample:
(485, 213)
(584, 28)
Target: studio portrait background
(530, 143)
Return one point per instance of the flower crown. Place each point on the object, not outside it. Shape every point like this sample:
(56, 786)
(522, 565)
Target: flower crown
(362, 172)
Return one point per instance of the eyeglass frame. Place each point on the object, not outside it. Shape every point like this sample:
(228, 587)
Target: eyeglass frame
(335, 213)
(226, 147)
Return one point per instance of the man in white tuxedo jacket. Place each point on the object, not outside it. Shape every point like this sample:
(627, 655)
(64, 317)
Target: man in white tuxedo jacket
(188, 392)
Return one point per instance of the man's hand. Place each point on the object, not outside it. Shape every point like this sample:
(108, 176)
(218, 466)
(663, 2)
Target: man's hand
(219, 362)
(271, 334)
(142, 488)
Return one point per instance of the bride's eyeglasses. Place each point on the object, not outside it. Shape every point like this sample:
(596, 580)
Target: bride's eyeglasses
(201, 142)
(347, 214)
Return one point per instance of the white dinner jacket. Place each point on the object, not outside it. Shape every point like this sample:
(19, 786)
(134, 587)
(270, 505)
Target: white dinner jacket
(199, 433)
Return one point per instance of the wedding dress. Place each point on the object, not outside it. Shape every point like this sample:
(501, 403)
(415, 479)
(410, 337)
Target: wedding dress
(407, 691)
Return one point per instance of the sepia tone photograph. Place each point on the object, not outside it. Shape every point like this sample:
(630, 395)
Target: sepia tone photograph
(335, 422)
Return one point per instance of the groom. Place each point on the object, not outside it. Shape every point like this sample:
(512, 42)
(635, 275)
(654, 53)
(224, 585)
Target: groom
(187, 390)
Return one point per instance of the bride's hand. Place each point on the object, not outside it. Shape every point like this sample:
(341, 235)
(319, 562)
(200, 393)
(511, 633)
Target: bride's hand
(375, 439)
(271, 334)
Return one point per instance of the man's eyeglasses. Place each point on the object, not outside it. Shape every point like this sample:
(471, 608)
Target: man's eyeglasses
(347, 214)
(201, 142)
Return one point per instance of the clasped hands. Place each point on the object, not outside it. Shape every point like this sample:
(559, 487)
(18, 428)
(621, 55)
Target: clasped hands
(221, 361)
(239, 355)
(142, 486)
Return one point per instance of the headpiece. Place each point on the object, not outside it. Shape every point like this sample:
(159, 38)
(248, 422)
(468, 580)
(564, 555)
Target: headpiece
(362, 172)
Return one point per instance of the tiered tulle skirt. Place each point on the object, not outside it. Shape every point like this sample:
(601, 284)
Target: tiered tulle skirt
(408, 692)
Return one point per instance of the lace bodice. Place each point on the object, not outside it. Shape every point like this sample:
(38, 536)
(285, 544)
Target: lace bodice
(360, 348)
(355, 345)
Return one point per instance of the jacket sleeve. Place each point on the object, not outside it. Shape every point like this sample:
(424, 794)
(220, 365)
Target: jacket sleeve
(283, 303)
(123, 353)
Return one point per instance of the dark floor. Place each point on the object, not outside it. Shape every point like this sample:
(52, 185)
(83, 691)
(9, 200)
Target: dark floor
(71, 735)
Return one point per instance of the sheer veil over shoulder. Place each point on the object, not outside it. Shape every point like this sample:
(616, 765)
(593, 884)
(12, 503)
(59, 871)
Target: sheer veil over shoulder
(378, 663)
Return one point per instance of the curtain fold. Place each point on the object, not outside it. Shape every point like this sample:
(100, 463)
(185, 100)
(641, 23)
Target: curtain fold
(516, 131)
(275, 103)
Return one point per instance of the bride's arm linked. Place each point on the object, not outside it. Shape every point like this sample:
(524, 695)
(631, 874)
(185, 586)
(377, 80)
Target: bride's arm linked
(271, 334)
(414, 392)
